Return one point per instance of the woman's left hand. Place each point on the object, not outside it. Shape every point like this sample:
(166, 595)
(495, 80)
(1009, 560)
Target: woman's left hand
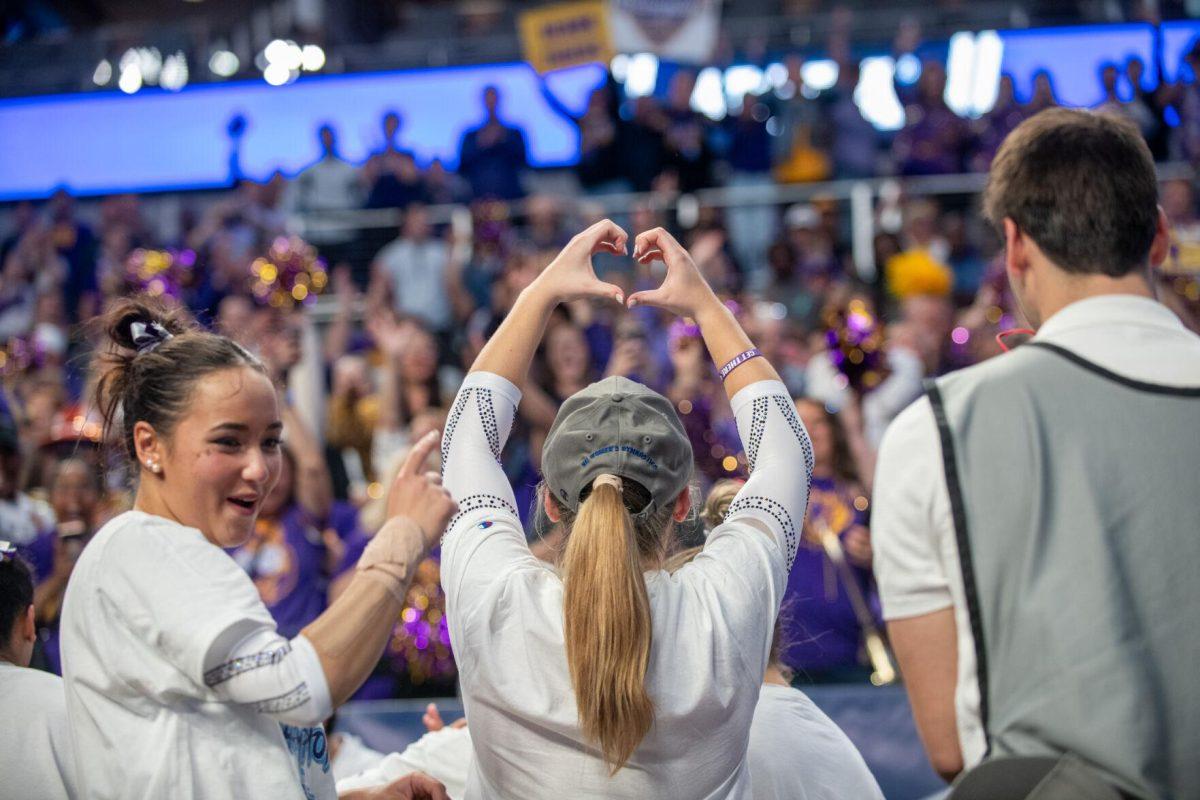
(571, 275)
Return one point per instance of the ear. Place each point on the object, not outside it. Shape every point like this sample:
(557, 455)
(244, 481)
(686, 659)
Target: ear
(28, 624)
(683, 505)
(148, 446)
(1161, 246)
(1016, 253)
(550, 506)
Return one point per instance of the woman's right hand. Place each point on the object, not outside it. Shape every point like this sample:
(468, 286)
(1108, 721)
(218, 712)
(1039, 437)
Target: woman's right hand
(684, 292)
(420, 496)
(571, 275)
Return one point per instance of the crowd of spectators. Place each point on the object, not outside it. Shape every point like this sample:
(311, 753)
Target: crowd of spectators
(363, 381)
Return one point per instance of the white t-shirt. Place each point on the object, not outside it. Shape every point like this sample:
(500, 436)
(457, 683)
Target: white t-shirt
(417, 269)
(35, 743)
(799, 753)
(147, 602)
(712, 619)
(444, 755)
(912, 530)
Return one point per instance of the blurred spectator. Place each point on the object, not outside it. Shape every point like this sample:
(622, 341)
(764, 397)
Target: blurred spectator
(299, 544)
(492, 156)
(76, 244)
(643, 150)
(391, 174)
(799, 150)
(854, 141)
(934, 140)
(36, 753)
(329, 184)
(1043, 96)
(1187, 139)
(688, 151)
(600, 164)
(26, 522)
(76, 497)
(992, 127)
(1147, 107)
(822, 634)
(409, 275)
(751, 225)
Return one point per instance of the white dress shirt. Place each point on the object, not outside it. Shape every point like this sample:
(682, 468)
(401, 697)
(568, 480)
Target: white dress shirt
(916, 553)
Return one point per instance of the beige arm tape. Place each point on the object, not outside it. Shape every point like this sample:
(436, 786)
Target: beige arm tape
(392, 555)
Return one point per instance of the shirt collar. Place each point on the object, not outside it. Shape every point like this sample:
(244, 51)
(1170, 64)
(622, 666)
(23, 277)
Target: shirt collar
(1105, 311)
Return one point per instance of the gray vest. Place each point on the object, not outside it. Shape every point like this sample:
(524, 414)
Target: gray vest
(1075, 494)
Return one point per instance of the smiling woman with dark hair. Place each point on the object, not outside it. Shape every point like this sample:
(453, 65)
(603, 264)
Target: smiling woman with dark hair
(178, 683)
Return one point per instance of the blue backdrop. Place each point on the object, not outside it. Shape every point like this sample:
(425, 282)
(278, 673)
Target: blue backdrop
(105, 142)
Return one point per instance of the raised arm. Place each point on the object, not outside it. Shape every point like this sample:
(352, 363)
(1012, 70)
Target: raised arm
(777, 446)
(486, 534)
(349, 636)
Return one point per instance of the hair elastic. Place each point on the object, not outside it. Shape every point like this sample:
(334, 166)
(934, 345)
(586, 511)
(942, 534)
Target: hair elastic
(608, 479)
(738, 360)
(147, 335)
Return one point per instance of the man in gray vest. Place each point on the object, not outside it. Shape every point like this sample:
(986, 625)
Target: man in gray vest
(1036, 517)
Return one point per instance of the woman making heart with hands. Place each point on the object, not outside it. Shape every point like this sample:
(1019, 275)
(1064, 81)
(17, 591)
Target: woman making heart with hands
(626, 681)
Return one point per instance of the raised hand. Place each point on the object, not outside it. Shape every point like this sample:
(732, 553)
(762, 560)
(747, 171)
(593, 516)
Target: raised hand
(684, 291)
(571, 275)
(421, 496)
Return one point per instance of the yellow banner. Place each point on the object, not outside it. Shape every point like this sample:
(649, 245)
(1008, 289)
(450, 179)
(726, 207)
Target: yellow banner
(566, 35)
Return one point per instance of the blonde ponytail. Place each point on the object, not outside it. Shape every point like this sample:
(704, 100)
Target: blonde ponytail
(606, 620)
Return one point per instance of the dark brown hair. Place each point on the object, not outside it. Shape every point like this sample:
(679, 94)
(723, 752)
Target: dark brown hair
(155, 383)
(1082, 185)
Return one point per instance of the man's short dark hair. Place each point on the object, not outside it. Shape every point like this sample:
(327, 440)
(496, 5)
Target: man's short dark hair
(1082, 185)
(16, 593)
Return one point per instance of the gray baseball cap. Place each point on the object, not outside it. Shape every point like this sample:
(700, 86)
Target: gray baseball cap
(623, 428)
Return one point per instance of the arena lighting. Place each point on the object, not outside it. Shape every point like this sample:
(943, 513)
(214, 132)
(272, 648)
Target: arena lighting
(973, 72)
(103, 73)
(819, 74)
(131, 79)
(641, 75)
(908, 69)
(277, 74)
(875, 96)
(707, 96)
(223, 63)
(741, 80)
(312, 58)
(619, 67)
(174, 74)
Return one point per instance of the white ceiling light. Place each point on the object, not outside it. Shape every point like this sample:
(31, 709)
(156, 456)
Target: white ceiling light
(103, 73)
(707, 95)
(876, 97)
(277, 74)
(223, 63)
(174, 74)
(131, 79)
(312, 58)
(642, 75)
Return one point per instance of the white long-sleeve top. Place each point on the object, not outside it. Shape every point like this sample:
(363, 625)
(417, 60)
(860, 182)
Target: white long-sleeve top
(712, 619)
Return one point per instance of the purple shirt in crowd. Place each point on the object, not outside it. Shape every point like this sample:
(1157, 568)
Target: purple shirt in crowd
(285, 558)
(821, 631)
